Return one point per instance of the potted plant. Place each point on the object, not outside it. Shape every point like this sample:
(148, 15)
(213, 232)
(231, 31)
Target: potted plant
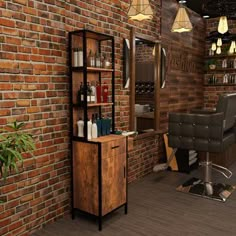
(13, 143)
(211, 63)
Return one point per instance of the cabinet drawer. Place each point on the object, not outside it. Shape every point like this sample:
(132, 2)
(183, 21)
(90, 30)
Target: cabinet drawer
(113, 148)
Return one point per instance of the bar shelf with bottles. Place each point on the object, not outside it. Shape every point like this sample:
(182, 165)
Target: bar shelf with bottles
(92, 79)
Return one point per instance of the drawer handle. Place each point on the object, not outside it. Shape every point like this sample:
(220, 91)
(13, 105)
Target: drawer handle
(115, 147)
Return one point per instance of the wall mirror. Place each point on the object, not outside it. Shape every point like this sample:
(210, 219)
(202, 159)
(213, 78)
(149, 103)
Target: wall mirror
(146, 78)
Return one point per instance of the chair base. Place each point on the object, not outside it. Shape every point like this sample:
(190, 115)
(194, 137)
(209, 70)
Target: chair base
(197, 187)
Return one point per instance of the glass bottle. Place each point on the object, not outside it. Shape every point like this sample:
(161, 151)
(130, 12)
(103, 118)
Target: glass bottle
(97, 60)
(91, 59)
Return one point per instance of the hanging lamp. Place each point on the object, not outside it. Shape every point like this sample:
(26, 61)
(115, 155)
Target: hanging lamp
(140, 10)
(182, 22)
(223, 25)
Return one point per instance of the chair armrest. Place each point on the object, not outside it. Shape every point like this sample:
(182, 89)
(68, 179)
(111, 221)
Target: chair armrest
(203, 111)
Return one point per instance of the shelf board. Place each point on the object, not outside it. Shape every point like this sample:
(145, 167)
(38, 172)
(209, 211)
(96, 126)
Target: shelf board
(220, 56)
(220, 70)
(92, 69)
(220, 84)
(95, 104)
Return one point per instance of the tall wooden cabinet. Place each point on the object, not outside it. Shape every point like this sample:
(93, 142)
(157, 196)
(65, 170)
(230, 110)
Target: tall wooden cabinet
(99, 165)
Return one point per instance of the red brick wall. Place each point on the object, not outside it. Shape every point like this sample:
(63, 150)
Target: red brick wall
(185, 64)
(34, 89)
(147, 151)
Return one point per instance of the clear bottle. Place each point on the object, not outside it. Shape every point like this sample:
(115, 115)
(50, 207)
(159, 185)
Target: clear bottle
(94, 128)
(91, 59)
(97, 60)
(80, 57)
(80, 125)
(89, 127)
(75, 57)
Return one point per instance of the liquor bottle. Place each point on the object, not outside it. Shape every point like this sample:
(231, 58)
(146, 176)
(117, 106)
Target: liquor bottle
(93, 92)
(81, 94)
(105, 92)
(88, 92)
(98, 92)
(91, 59)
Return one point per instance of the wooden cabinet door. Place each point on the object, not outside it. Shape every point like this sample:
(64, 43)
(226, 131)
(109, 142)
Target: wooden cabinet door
(113, 182)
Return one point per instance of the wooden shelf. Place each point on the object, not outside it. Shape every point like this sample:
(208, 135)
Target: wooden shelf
(221, 70)
(220, 56)
(95, 104)
(92, 69)
(220, 84)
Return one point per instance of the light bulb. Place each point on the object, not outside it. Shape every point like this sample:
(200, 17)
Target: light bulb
(223, 25)
(218, 50)
(231, 50)
(219, 42)
(233, 44)
(213, 46)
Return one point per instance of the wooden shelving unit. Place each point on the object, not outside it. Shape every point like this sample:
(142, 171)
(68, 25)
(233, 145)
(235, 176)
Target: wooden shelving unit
(99, 165)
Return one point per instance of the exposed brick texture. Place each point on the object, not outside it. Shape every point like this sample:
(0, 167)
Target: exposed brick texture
(34, 88)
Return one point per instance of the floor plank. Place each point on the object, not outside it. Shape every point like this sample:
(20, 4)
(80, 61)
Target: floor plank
(156, 209)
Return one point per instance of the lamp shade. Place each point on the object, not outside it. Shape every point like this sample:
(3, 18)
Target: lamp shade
(223, 25)
(140, 10)
(218, 50)
(219, 42)
(182, 23)
(213, 46)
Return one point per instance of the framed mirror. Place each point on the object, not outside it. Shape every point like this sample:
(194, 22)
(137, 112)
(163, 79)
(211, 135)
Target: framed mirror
(146, 71)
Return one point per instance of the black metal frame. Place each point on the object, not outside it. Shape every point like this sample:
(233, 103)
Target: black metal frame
(84, 34)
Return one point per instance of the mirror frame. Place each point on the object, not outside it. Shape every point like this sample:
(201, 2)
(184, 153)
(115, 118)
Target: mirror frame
(157, 79)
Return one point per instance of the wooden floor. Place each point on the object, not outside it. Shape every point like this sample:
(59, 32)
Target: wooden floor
(156, 209)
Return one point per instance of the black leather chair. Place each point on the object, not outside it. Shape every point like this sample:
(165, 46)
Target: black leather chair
(208, 131)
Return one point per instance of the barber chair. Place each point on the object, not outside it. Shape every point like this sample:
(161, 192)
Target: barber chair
(206, 131)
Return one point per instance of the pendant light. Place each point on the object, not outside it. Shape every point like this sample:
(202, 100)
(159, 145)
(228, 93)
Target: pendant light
(182, 23)
(219, 42)
(213, 46)
(218, 50)
(140, 10)
(223, 25)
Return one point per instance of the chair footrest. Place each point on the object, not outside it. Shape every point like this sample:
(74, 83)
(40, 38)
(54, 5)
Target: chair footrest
(219, 192)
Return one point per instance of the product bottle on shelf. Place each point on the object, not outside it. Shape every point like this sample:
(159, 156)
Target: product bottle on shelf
(105, 92)
(97, 60)
(80, 125)
(99, 125)
(106, 63)
(75, 57)
(80, 57)
(91, 59)
(98, 92)
(88, 92)
(94, 128)
(93, 93)
(89, 127)
(81, 94)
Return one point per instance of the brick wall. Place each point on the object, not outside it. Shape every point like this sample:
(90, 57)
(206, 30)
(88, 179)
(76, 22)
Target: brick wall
(147, 151)
(185, 64)
(34, 89)
(212, 92)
